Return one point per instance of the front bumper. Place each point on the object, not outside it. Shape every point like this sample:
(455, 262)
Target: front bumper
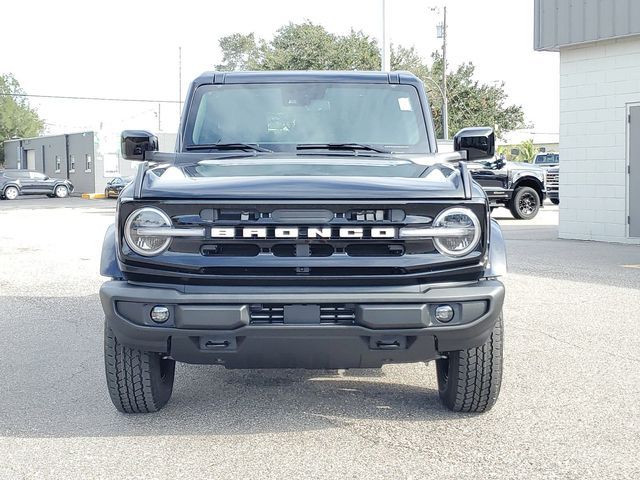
(213, 325)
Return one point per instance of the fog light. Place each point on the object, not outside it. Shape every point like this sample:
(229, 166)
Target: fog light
(444, 313)
(159, 314)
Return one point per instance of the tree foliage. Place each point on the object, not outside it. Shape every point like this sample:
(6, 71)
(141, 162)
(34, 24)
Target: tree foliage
(17, 118)
(308, 46)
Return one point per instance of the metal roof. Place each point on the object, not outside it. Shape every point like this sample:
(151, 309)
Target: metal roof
(563, 23)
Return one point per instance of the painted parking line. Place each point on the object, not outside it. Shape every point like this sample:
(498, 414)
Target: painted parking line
(630, 266)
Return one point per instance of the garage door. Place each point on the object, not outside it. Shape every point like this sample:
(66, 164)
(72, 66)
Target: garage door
(634, 171)
(31, 159)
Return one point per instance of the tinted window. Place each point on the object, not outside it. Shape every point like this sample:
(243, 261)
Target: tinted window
(281, 116)
(16, 174)
(547, 158)
(37, 176)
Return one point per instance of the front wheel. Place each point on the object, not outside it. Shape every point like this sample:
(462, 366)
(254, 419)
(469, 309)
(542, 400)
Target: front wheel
(11, 193)
(525, 203)
(469, 380)
(138, 381)
(61, 191)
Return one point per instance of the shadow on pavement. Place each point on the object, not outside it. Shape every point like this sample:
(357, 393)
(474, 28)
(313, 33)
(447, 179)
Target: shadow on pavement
(53, 386)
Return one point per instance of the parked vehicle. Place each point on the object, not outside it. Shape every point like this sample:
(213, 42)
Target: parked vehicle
(553, 185)
(517, 186)
(115, 186)
(305, 220)
(547, 160)
(14, 182)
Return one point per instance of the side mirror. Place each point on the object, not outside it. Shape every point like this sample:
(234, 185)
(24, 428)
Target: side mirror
(136, 142)
(478, 142)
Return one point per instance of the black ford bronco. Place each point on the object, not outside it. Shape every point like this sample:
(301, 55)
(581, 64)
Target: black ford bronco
(305, 220)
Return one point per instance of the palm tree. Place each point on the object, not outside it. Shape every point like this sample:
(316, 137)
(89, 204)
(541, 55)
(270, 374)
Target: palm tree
(527, 151)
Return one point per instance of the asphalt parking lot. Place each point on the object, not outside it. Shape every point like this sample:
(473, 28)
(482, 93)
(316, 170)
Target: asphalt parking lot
(569, 407)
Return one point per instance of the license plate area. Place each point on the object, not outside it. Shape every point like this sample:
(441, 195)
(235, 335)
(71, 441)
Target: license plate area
(302, 314)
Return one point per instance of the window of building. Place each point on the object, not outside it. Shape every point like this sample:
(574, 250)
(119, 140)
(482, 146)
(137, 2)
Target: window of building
(58, 164)
(87, 163)
(72, 163)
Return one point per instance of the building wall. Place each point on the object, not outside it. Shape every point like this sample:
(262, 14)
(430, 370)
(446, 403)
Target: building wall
(79, 146)
(11, 153)
(597, 82)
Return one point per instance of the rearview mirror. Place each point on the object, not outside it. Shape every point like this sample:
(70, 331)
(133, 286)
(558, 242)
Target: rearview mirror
(478, 142)
(136, 142)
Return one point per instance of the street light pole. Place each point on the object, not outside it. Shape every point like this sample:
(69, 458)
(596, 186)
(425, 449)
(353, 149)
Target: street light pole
(386, 46)
(445, 100)
(179, 81)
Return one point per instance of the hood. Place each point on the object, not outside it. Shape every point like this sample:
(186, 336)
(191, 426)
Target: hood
(524, 166)
(305, 177)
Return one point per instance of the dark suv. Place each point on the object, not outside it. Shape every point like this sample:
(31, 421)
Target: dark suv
(305, 220)
(14, 182)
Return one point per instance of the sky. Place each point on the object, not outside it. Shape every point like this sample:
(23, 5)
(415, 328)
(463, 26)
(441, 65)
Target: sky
(129, 49)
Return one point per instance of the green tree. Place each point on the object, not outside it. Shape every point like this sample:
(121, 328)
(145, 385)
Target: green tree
(308, 46)
(527, 151)
(17, 118)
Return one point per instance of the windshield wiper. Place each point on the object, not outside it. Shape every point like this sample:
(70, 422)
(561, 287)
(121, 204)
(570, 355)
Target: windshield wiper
(340, 146)
(229, 146)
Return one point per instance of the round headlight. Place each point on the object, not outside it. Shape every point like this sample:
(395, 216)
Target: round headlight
(147, 245)
(465, 231)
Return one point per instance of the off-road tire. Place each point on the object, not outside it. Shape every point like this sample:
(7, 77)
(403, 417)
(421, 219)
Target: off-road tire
(525, 203)
(138, 381)
(555, 201)
(469, 380)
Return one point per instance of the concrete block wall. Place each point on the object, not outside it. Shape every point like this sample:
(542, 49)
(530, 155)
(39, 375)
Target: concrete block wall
(597, 82)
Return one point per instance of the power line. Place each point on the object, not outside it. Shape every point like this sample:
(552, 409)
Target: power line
(103, 99)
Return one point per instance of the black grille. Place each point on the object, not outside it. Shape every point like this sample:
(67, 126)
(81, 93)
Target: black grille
(269, 314)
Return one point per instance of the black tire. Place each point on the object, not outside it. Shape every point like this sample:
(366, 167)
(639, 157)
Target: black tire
(11, 193)
(138, 381)
(469, 380)
(555, 201)
(525, 203)
(61, 191)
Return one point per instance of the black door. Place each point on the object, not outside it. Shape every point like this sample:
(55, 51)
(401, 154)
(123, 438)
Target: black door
(490, 175)
(40, 183)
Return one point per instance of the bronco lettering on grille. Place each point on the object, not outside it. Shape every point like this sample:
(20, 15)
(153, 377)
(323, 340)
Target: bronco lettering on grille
(310, 233)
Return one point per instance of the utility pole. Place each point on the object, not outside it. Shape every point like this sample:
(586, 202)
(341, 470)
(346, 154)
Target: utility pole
(179, 81)
(386, 45)
(445, 100)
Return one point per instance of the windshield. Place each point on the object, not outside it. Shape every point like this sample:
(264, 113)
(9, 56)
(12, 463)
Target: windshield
(285, 116)
(548, 158)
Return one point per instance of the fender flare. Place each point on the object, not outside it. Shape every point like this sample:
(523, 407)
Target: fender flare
(109, 258)
(526, 178)
(497, 261)
(11, 184)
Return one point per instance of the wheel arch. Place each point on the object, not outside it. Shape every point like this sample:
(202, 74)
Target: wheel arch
(497, 261)
(109, 257)
(11, 184)
(531, 182)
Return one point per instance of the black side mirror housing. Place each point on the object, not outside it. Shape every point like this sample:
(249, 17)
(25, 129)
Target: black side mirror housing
(135, 143)
(478, 142)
